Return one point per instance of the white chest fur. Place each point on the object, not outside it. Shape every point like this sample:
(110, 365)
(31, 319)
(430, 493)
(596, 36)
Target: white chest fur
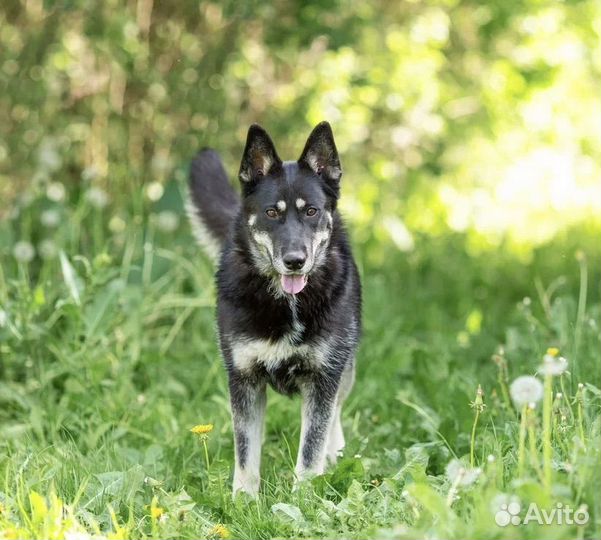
(248, 352)
(269, 353)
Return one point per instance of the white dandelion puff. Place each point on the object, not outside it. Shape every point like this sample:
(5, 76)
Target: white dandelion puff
(47, 249)
(553, 365)
(97, 197)
(50, 218)
(460, 474)
(55, 191)
(167, 221)
(526, 389)
(48, 157)
(23, 251)
(154, 191)
(89, 173)
(117, 224)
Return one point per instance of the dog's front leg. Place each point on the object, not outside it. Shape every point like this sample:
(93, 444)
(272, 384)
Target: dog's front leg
(319, 399)
(248, 400)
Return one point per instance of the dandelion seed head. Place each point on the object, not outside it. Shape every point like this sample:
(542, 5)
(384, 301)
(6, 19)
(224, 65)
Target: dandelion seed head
(55, 191)
(97, 197)
(89, 173)
(48, 158)
(23, 251)
(458, 473)
(154, 191)
(580, 386)
(553, 365)
(50, 218)
(47, 249)
(117, 224)
(167, 221)
(526, 389)
(491, 458)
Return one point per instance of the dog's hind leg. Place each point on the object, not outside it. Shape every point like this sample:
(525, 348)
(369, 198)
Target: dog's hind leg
(335, 442)
(248, 399)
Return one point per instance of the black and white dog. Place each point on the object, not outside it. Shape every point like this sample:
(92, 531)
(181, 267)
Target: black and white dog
(289, 296)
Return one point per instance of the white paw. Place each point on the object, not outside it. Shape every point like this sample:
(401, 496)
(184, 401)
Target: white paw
(246, 484)
(303, 476)
(333, 455)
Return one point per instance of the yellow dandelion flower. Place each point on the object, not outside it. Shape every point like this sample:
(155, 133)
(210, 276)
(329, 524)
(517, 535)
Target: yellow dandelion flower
(220, 531)
(202, 429)
(156, 512)
(552, 351)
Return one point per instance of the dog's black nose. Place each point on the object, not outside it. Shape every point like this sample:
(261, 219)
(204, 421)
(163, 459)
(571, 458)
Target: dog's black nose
(294, 260)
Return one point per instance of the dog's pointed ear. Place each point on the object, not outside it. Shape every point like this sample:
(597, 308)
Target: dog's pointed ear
(259, 155)
(320, 153)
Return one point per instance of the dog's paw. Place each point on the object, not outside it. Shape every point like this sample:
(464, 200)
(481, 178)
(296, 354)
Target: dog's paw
(246, 486)
(332, 456)
(303, 477)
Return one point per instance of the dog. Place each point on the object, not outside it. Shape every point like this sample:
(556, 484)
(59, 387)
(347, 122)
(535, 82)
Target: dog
(288, 292)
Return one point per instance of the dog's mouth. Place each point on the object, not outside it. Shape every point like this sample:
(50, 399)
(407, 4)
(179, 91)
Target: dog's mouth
(293, 283)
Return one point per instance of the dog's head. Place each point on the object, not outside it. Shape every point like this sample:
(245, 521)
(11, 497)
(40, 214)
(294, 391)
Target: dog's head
(288, 206)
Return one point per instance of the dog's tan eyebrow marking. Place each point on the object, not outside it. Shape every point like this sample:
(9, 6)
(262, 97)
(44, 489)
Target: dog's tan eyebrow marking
(300, 203)
(281, 206)
(252, 219)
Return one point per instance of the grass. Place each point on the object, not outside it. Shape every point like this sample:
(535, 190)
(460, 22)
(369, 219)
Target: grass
(109, 358)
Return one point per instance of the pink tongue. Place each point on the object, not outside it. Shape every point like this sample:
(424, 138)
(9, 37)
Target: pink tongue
(293, 284)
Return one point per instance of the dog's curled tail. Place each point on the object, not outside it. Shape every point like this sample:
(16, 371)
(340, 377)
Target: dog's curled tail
(212, 202)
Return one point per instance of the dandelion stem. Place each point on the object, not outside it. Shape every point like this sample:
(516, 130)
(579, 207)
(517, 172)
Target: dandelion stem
(532, 442)
(204, 444)
(580, 412)
(503, 381)
(565, 397)
(522, 443)
(547, 416)
(473, 442)
(478, 405)
(581, 257)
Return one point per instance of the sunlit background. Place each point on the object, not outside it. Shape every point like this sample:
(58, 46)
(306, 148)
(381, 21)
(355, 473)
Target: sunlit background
(481, 118)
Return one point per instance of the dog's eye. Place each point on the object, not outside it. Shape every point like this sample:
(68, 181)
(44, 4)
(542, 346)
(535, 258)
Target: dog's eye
(311, 211)
(271, 212)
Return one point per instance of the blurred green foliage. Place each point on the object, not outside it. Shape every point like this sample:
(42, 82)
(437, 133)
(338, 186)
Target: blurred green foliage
(477, 116)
